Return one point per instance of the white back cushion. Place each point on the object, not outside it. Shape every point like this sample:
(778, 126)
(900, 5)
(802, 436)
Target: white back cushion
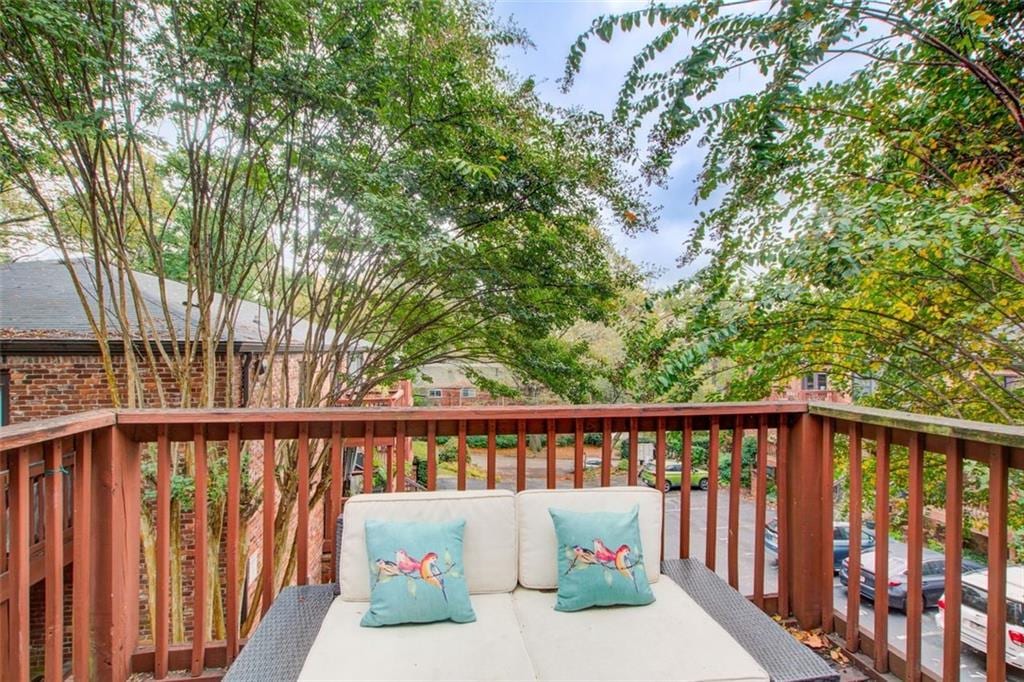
(488, 545)
(538, 546)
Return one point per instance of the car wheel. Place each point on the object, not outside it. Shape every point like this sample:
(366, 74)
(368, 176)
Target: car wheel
(703, 484)
(667, 487)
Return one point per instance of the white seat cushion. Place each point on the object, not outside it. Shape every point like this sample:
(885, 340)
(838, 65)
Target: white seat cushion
(671, 639)
(489, 649)
(538, 546)
(489, 542)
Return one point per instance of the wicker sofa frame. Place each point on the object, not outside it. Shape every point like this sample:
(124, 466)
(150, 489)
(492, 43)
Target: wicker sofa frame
(278, 648)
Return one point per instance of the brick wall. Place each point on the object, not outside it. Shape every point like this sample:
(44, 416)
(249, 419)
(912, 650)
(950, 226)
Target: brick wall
(44, 386)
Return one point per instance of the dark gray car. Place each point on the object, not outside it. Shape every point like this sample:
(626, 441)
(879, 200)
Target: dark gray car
(933, 571)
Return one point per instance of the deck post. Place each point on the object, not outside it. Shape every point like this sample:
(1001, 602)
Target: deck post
(115, 572)
(804, 509)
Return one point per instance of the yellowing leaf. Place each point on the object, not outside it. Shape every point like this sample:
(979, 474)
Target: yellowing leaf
(981, 17)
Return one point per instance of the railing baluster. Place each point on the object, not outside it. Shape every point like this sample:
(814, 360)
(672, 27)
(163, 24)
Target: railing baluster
(163, 551)
(54, 560)
(711, 539)
(234, 545)
(998, 478)
(81, 578)
(461, 482)
(827, 521)
(782, 513)
(492, 454)
(634, 449)
(735, 474)
(760, 502)
(431, 455)
(337, 468)
(368, 449)
(606, 453)
(954, 556)
(578, 456)
(520, 455)
(400, 456)
(18, 569)
(915, 545)
(199, 560)
(881, 605)
(389, 468)
(856, 513)
(686, 458)
(302, 524)
(269, 446)
(552, 444)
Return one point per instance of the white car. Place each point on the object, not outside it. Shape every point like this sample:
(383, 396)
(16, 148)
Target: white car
(974, 610)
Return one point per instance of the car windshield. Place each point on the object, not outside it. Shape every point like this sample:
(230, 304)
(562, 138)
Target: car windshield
(977, 599)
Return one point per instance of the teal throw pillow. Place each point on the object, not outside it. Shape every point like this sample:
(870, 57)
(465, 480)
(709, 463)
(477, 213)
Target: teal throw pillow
(600, 559)
(416, 573)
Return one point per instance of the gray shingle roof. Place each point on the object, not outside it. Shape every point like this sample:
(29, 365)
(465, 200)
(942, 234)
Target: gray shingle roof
(38, 300)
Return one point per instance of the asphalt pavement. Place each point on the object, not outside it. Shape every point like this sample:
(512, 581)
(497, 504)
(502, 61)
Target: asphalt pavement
(972, 664)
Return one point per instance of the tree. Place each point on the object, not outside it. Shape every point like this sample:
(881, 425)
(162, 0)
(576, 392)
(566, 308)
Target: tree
(864, 225)
(364, 170)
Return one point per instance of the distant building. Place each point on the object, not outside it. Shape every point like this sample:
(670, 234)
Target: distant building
(448, 384)
(812, 386)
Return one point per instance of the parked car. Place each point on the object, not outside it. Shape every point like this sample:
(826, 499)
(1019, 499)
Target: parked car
(840, 540)
(974, 613)
(588, 463)
(933, 572)
(674, 476)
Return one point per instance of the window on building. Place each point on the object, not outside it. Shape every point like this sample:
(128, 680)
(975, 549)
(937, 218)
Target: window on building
(815, 381)
(355, 362)
(864, 386)
(469, 393)
(433, 393)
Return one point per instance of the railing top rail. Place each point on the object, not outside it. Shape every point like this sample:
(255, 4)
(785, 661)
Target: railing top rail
(531, 412)
(982, 432)
(39, 431)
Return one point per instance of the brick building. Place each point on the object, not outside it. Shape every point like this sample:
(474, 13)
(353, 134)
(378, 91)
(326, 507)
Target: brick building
(449, 384)
(50, 366)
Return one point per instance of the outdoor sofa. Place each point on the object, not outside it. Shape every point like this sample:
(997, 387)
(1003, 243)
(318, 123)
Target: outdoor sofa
(697, 628)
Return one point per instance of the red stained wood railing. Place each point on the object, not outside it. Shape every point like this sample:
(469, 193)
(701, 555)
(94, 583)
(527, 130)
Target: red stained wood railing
(760, 512)
(82, 577)
(578, 456)
(882, 550)
(431, 455)
(86, 523)
(199, 558)
(606, 453)
(552, 443)
(302, 508)
(915, 548)
(954, 554)
(998, 501)
(827, 519)
(686, 482)
(461, 482)
(492, 456)
(54, 555)
(163, 551)
(234, 544)
(856, 514)
(269, 503)
(634, 450)
(711, 539)
(735, 472)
